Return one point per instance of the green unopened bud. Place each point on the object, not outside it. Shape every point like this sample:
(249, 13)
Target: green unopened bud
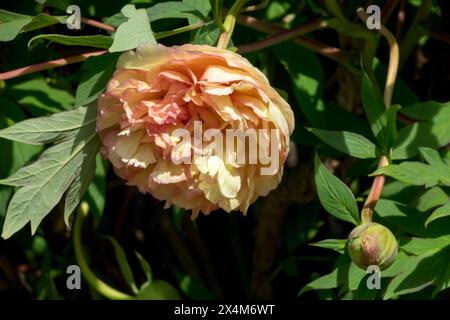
(372, 244)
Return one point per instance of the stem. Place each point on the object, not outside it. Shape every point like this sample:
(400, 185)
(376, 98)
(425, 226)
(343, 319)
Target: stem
(374, 194)
(332, 53)
(229, 24)
(394, 56)
(283, 36)
(217, 12)
(97, 284)
(49, 64)
(98, 24)
(165, 34)
(442, 36)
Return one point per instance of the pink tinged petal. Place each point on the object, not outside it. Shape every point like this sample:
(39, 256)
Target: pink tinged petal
(134, 111)
(175, 76)
(193, 95)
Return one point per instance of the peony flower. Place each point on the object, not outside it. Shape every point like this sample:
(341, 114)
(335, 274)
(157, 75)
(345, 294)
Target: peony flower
(158, 92)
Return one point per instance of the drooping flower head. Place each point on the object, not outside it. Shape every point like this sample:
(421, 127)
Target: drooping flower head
(158, 92)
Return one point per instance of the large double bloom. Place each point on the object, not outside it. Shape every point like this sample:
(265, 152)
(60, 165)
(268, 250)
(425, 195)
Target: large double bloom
(156, 90)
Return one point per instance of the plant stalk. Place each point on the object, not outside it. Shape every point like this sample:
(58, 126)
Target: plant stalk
(97, 284)
(394, 56)
(229, 23)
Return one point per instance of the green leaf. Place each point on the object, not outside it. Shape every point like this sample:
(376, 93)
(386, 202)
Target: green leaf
(11, 23)
(174, 9)
(421, 272)
(158, 290)
(430, 199)
(50, 176)
(333, 244)
(39, 97)
(433, 158)
(194, 289)
(334, 195)
(416, 173)
(95, 195)
(134, 31)
(443, 211)
(346, 275)
(208, 34)
(96, 41)
(54, 128)
(391, 126)
(329, 281)
(432, 129)
(97, 72)
(427, 110)
(421, 246)
(145, 266)
(43, 183)
(123, 264)
(382, 122)
(307, 80)
(348, 142)
(202, 6)
(79, 185)
(400, 217)
(14, 154)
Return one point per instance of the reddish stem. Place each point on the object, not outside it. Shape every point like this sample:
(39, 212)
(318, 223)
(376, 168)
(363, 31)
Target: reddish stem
(97, 24)
(333, 53)
(282, 36)
(49, 64)
(375, 193)
(440, 36)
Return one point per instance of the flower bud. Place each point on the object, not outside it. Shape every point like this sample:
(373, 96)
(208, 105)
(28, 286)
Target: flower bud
(372, 244)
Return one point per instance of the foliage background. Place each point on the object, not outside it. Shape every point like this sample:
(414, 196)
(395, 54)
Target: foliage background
(268, 253)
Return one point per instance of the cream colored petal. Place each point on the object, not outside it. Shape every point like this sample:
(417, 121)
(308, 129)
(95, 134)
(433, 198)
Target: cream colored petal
(229, 182)
(218, 90)
(223, 106)
(143, 157)
(279, 119)
(220, 74)
(126, 146)
(166, 173)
